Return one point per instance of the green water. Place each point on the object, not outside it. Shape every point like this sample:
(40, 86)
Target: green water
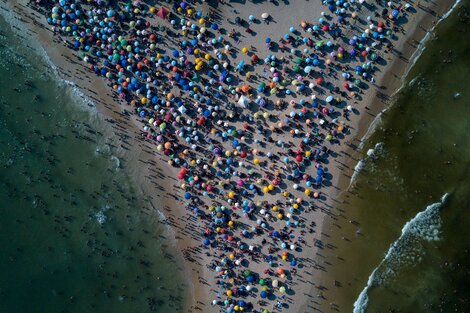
(75, 234)
(425, 154)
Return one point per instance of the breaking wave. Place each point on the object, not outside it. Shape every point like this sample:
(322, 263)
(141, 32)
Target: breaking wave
(407, 250)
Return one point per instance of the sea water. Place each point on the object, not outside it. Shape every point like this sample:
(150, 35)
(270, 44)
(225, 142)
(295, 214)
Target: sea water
(402, 232)
(76, 235)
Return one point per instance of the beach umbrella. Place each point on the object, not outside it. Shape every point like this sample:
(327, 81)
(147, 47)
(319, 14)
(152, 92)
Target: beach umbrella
(162, 13)
(265, 15)
(263, 294)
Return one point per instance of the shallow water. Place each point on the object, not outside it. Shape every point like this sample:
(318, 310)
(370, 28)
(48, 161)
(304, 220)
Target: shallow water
(425, 154)
(75, 234)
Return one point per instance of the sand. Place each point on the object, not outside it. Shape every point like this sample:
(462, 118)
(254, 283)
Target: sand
(312, 288)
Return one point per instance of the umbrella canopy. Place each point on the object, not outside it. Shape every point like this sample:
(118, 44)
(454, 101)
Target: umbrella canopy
(163, 13)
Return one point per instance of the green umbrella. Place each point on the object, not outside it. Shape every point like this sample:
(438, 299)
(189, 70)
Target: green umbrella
(196, 77)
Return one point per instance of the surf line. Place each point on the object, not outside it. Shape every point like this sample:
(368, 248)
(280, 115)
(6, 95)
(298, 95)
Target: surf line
(425, 226)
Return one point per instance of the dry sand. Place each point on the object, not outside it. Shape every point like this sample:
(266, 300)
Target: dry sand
(312, 288)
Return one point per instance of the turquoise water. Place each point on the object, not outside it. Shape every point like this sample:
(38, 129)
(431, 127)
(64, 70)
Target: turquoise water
(75, 233)
(400, 259)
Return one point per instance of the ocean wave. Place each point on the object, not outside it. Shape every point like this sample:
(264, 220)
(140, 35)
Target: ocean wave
(117, 162)
(372, 154)
(357, 169)
(21, 30)
(372, 128)
(101, 215)
(422, 45)
(102, 149)
(413, 59)
(407, 250)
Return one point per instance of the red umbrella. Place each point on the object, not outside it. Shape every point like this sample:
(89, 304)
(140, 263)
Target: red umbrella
(163, 13)
(201, 121)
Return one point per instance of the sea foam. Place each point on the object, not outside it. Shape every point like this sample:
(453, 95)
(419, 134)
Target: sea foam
(407, 250)
(372, 154)
(21, 30)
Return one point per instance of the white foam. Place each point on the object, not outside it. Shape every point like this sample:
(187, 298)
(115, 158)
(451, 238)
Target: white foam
(21, 30)
(357, 169)
(101, 215)
(117, 162)
(372, 127)
(429, 34)
(407, 250)
(413, 59)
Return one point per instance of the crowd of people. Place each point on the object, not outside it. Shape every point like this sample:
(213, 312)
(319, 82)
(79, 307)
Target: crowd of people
(249, 127)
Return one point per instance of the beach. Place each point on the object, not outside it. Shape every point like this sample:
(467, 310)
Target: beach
(219, 236)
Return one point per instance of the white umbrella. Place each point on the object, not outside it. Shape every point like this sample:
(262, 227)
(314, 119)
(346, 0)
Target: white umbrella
(265, 15)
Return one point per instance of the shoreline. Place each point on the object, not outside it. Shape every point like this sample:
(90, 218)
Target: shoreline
(177, 217)
(394, 78)
(132, 151)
